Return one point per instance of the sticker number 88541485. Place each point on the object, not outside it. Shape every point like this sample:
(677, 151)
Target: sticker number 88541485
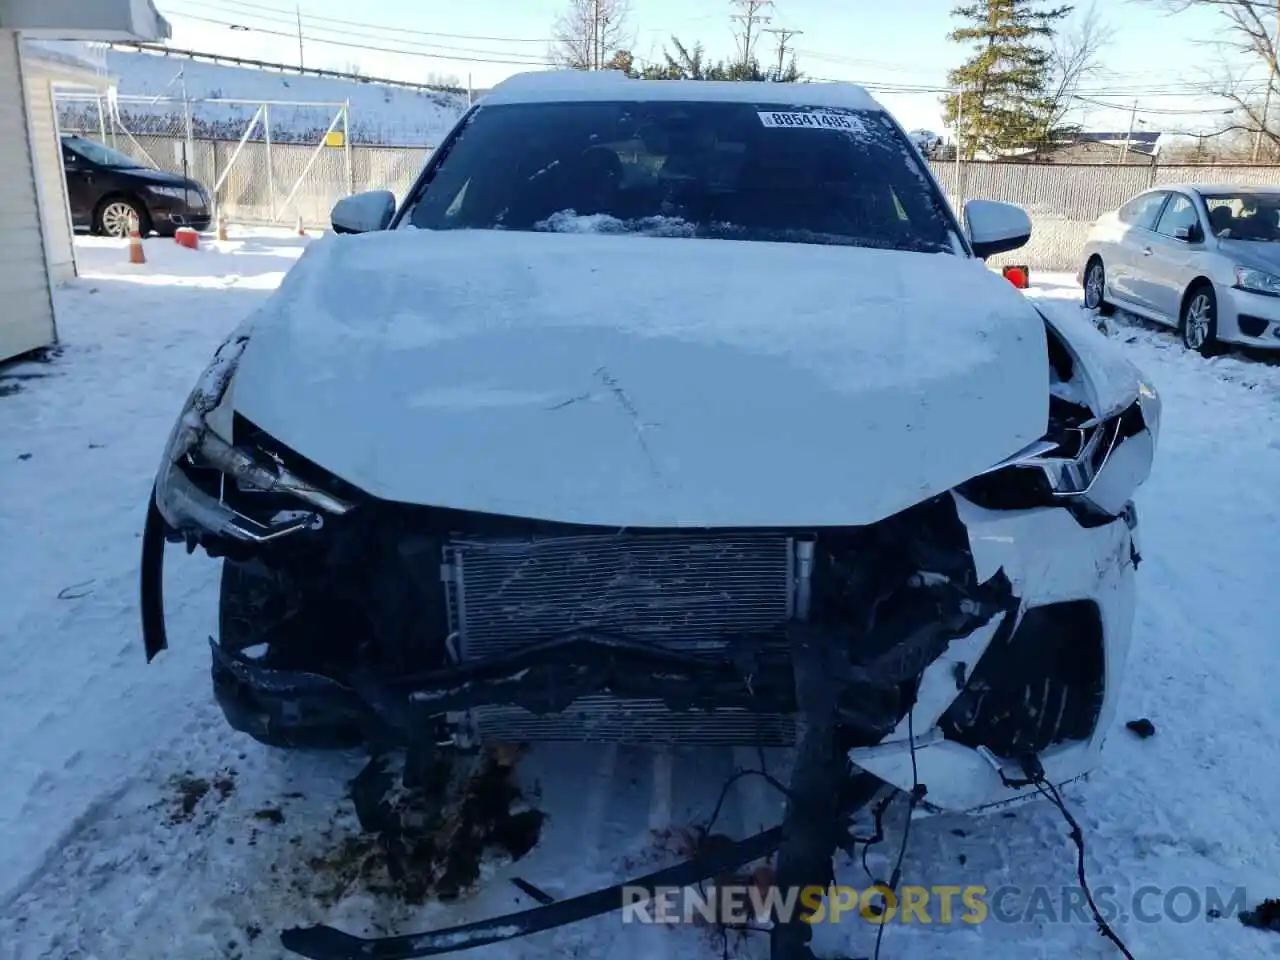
(812, 121)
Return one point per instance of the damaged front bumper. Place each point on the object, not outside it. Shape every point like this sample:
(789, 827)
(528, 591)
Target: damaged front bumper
(992, 621)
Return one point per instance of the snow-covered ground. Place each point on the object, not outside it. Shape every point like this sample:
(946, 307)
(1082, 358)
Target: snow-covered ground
(134, 824)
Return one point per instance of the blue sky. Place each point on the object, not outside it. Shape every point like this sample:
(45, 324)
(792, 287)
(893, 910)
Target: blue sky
(1154, 57)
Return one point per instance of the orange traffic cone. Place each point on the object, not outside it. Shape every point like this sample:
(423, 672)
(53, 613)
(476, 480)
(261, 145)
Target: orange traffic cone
(136, 254)
(301, 232)
(222, 225)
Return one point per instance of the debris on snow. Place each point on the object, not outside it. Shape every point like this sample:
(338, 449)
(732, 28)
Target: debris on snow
(190, 790)
(1143, 727)
(435, 842)
(75, 591)
(1265, 917)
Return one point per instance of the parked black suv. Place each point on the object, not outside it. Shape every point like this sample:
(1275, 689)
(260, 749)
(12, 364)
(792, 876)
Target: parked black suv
(107, 188)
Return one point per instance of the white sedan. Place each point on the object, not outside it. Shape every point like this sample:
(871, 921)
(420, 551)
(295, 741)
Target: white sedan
(1204, 259)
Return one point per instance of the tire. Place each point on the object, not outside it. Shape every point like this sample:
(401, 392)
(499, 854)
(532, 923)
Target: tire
(1095, 285)
(111, 219)
(1198, 324)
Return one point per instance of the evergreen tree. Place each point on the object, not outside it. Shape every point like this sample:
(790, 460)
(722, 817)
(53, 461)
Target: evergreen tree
(1003, 99)
(691, 63)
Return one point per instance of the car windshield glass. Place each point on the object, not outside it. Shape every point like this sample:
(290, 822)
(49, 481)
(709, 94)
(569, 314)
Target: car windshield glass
(1245, 216)
(102, 156)
(688, 169)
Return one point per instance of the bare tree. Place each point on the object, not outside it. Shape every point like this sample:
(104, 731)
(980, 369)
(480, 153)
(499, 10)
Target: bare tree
(1075, 56)
(1251, 41)
(590, 34)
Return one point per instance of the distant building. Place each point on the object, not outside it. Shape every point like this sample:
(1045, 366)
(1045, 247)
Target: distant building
(1093, 147)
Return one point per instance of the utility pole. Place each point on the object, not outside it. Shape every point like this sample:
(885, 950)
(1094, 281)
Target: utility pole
(784, 37)
(1133, 118)
(750, 16)
(298, 10)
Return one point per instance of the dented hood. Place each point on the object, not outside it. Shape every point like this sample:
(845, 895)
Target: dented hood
(645, 381)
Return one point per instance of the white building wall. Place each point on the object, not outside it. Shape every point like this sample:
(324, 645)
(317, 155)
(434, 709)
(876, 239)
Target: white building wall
(51, 181)
(26, 306)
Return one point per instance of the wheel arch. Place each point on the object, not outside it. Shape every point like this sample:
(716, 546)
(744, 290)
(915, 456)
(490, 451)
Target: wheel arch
(1192, 287)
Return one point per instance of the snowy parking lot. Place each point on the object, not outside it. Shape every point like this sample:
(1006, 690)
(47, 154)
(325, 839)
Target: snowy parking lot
(136, 825)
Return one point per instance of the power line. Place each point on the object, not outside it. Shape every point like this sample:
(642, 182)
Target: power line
(366, 46)
(1155, 110)
(319, 33)
(392, 29)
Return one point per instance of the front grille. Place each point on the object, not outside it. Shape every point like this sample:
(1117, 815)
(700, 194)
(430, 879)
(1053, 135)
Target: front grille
(604, 719)
(687, 592)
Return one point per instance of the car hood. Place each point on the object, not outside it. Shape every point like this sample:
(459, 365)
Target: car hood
(1256, 254)
(641, 381)
(161, 178)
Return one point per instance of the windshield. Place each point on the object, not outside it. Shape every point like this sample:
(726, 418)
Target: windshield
(102, 156)
(728, 170)
(1245, 216)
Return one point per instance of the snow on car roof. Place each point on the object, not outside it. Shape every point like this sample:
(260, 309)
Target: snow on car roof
(552, 86)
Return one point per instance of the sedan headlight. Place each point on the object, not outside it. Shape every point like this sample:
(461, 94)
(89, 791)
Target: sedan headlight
(176, 193)
(193, 449)
(1098, 464)
(1257, 281)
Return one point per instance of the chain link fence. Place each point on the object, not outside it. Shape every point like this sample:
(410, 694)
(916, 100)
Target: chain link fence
(1063, 200)
(263, 162)
(274, 161)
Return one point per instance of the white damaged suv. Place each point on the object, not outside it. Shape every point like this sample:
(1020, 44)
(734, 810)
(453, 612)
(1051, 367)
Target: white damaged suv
(669, 412)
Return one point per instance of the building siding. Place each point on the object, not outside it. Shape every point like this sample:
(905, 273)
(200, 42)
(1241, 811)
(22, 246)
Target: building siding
(51, 183)
(26, 306)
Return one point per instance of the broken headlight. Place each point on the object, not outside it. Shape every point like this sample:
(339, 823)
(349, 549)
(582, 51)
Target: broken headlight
(1094, 462)
(198, 462)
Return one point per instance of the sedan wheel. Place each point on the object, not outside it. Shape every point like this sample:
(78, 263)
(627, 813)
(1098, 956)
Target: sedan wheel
(1095, 286)
(117, 217)
(1200, 321)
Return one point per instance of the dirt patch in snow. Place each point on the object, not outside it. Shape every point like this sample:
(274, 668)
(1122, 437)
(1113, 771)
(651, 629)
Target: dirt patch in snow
(190, 791)
(434, 843)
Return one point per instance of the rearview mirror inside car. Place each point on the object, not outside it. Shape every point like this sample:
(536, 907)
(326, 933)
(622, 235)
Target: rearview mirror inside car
(995, 227)
(365, 212)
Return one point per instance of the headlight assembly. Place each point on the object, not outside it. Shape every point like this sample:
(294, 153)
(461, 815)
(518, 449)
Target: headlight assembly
(1098, 464)
(194, 452)
(1257, 281)
(174, 193)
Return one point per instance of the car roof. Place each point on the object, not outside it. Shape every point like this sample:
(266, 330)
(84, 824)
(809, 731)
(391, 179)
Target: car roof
(568, 86)
(1215, 188)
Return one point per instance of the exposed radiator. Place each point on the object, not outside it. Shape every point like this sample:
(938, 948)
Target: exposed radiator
(686, 591)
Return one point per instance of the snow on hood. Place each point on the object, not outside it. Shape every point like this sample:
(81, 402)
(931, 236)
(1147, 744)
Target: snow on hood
(645, 381)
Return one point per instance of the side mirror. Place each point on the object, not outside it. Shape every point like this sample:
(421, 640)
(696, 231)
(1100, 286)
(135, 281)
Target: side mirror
(1192, 234)
(995, 227)
(366, 212)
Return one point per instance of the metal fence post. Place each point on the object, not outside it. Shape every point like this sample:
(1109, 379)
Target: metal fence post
(271, 170)
(346, 146)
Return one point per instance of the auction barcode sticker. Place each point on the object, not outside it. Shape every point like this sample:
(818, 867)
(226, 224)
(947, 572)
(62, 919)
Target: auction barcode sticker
(815, 121)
